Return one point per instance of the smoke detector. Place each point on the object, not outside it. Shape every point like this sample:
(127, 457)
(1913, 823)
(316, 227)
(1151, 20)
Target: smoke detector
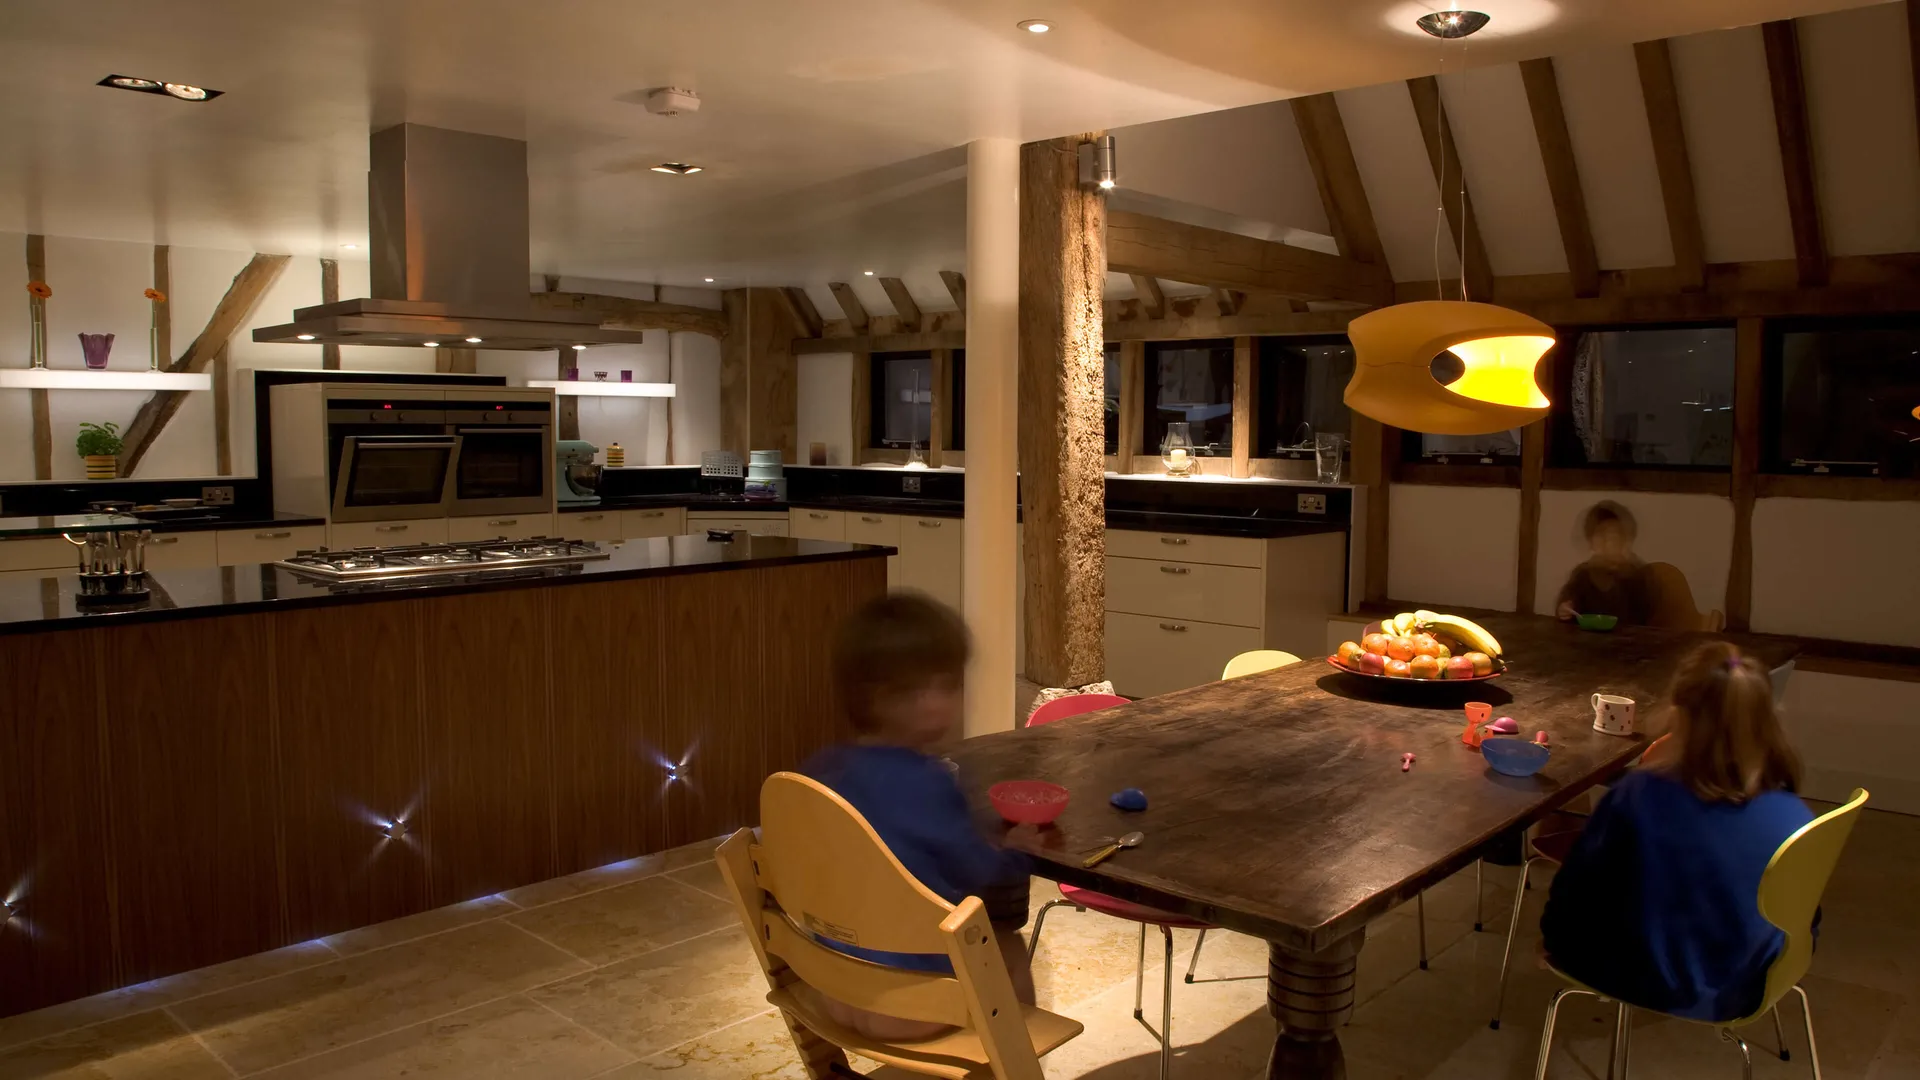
(672, 101)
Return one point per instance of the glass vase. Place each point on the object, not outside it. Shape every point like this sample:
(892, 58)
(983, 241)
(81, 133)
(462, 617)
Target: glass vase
(94, 348)
(1176, 450)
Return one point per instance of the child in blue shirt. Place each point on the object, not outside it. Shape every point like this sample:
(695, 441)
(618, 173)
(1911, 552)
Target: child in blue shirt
(899, 664)
(1657, 904)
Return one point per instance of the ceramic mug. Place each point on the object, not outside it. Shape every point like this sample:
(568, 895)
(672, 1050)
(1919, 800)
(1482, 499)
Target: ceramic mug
(1613, 715)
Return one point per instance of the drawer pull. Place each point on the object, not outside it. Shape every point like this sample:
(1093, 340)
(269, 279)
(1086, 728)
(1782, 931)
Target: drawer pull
(272, 536)
(817, 516)
(930, 524)
(870, 520)
(164, 540)
(505, 521)
(1176, 570)
(391, 528)
(1177, 541)
(653, 513)
(1174, 627)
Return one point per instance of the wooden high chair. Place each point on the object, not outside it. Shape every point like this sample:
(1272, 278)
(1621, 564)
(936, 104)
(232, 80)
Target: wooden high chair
(819, 871)
(1672, 601)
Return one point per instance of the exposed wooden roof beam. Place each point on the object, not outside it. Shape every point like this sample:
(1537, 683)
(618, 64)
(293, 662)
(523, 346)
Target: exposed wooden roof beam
(1337, 175)
(1913, 51)
(1445, 158)
(1229, 300)
(1796, 148)
(850, 305)
(1563, 175)
(1156, 247)
(800, 307)
(956, 283)
(1670, 158)
(904, 307)
(621, 313)
(1153, 302)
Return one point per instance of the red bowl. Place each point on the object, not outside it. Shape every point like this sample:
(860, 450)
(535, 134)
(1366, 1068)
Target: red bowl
(1028, 802)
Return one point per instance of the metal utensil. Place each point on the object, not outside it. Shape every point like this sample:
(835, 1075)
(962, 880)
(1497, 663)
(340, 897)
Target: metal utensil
(1132, 839)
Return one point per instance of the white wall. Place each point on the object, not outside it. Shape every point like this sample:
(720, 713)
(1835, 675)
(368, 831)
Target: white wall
(1693, 532)
(825, 400)
(1830, 569)
(1453, 546)
(1857, 732)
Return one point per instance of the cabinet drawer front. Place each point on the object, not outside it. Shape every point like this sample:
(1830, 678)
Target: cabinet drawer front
(757, 524)
(1182, 590)
(589, 525)
(644, 524)
(499, 527)
(243, 547)
(39, 553)
(180, 551)
(1148, 655)
(356, 534)
(1187, 547)
(817, 524)
(881, 529)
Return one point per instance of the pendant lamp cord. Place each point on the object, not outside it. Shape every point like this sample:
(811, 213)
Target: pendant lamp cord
(1440, 208)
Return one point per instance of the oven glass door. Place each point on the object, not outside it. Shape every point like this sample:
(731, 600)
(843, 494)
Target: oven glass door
(503, 470)
(393, 476)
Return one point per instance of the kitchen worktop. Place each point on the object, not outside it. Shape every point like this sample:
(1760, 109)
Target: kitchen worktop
(199, 519)
(945, 508)
(28, 606)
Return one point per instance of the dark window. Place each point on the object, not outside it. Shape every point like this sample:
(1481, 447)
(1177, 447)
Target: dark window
(1843, 398)
(957, 394)
(1302, 384)
(1497, 448)
(1111, 382)
(1660, 397)
(1190, 381)
(902, 399)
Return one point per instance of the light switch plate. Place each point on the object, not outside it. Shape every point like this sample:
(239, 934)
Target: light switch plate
(910, 484)
(217, 496)
(1310, 504)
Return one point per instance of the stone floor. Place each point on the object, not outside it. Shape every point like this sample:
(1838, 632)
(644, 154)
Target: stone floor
(640, 969)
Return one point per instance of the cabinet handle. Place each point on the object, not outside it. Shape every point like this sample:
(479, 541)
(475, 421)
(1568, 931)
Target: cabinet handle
(870, 520)
(817, 516)
(391, 528)
(505, 521)
(653, 513)
(930, 524)
(1176, 570)
(1178, 628)
(272, 536)
(1174, 540)
(164, 540)
(593, 517)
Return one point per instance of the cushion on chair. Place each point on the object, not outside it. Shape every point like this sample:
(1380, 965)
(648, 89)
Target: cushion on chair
(958, 1054)
(1127, 909)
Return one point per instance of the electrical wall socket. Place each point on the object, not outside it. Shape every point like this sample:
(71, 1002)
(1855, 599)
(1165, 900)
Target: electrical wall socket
(217, 496)
(1310, 504)
(910, 485)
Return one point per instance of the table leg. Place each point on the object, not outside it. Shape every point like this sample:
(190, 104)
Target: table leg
(1311, 995)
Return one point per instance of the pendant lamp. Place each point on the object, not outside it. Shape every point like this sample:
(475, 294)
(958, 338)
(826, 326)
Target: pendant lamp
(1393, 352)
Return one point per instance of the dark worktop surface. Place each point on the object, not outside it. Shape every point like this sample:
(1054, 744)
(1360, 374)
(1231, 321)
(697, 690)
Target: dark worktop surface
(29, 605)
(1248, 523)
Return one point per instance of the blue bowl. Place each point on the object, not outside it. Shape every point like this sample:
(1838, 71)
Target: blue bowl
(1515, 757)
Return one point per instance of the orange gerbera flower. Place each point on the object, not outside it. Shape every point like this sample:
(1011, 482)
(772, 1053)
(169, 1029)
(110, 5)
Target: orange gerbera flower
(155, 295)
(39, 289)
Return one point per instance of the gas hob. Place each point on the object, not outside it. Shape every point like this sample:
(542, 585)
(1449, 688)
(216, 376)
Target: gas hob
(481, 558)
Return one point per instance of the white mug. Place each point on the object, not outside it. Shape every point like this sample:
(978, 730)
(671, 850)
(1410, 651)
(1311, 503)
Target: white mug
(1613, 715)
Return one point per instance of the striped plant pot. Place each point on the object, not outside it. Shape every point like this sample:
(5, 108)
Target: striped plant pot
(102, 466)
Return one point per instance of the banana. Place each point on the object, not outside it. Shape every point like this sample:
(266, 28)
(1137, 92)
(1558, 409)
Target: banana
(1404, 623)
(1471, 634)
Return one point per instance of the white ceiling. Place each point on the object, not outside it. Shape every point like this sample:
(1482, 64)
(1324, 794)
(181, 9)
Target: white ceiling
(827, 129)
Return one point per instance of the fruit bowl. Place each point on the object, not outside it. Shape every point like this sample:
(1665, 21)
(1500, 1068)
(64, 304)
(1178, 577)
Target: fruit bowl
(1028, 802)
(1422, 646)
(1515, 757)
(1499, 669)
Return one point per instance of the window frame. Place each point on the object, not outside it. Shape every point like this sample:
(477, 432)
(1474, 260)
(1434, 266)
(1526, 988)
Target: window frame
(876, 448)
(1772, 460)
(1149, 384)
(1559, 419)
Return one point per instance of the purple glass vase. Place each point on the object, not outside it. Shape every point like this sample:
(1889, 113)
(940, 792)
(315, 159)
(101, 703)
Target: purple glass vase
(95, 347)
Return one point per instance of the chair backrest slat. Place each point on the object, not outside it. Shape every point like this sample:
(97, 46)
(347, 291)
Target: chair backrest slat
(1793, 883)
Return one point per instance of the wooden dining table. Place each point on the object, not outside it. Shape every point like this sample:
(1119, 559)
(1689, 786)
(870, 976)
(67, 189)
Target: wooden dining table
(1278, 806)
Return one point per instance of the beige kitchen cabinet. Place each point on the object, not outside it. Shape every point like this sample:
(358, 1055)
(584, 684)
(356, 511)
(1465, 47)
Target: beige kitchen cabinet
(811, 524)
(1185, 590)
(359, 534)
(589, 525)
(181, 550)
(499, 527)
(242, 547)
(645, 524)
(1150, 654)
(881, 530)
(929, 559)
(759, 524)
(35, 553)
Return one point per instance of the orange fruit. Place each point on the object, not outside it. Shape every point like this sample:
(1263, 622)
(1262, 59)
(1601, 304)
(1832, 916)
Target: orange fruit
(1424, 667)
(1400, 648)
(1375, 644)
(1398, 669)
(1425, 645)
(1350, 653)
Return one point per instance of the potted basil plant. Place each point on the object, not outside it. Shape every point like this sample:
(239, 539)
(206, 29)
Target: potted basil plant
(99, 446)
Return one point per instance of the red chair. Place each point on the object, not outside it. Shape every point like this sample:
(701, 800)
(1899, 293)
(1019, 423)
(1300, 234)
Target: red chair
(1087, 899)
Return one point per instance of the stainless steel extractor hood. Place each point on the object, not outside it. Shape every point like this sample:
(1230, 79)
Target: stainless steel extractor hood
(447, 214)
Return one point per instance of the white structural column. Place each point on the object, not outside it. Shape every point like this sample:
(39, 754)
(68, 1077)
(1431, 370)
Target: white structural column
(988, 560)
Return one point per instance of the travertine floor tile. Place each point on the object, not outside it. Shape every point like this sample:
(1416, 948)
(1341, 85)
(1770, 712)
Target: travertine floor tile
(149, 1046)
(502, 1040)
(628, 920)
(705, 877)
(586, 881)
(664, 998)
(413, 927)
(755, 1049)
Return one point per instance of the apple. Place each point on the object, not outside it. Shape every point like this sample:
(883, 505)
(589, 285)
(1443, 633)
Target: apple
(1373, 663)
(1459, 667)
(1375, 644)
(1424, 667)
(1400, 648)
(1482, 663)
(1350, 653)
(1398, 669)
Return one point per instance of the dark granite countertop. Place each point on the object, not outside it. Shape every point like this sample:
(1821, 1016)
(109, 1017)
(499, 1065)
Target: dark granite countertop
(946, 508)
(1252, 525)
(203, 521)
(28, 605)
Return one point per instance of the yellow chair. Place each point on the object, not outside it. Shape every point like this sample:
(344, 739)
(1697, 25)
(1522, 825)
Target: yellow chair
(1257, 661)
(1790, 891)
(818, 871)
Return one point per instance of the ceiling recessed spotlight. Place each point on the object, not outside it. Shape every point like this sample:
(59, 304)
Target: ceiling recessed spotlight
(869, 273)
(709, 281)
(349, 247)
(676, 168)
(180, 91)
(430, 344)
(304, 337)
(1452, 24)
(579, 348)
(473, 341)
(1036, 26)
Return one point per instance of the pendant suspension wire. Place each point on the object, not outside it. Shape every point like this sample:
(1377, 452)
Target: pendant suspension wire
(1439, 185)
(1461, 243)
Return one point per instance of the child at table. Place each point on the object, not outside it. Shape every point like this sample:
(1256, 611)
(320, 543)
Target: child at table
(1657, 904)
(898, 663)
(1613, 581)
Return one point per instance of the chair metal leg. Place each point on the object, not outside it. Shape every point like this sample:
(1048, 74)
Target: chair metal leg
(1140, 972)
(1813, 1050)
(1040, 920)
(1546, 1035)
(1420, 913)
(1780, 1034)
(1513, 931)
(1166, 1011)
(1746, 1055)
(1194, 964)
(1621, 1054)
(1479, 890)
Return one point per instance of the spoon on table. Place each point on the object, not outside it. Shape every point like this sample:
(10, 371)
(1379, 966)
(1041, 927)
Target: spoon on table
(1132, 839)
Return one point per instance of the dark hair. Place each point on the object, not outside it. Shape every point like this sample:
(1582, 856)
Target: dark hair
(1728, 743)
(1608, 512)
(897, 642)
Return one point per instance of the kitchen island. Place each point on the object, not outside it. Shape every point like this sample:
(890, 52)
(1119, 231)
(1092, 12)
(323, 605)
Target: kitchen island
(254, 758)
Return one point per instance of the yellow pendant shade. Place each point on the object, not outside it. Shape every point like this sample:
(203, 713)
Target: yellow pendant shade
(1393, 351)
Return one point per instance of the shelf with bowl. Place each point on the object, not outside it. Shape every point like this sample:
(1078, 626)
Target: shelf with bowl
(31, 378)
(597, 388)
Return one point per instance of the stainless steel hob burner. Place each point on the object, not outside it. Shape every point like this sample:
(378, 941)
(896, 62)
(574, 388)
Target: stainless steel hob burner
(479, 558)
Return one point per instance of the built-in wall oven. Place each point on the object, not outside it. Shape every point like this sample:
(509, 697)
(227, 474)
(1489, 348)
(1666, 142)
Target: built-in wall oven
(505, 465)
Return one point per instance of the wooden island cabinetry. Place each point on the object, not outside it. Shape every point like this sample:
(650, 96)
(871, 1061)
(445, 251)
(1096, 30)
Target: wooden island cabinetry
(261, 763)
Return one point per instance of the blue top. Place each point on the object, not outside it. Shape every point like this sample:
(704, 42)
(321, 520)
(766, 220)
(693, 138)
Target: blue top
(911, 800)
(1658, 903)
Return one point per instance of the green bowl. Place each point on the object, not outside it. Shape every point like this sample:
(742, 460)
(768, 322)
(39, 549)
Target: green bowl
(1600, 623)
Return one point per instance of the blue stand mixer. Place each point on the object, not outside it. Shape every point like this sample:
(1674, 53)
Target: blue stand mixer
(576, 477)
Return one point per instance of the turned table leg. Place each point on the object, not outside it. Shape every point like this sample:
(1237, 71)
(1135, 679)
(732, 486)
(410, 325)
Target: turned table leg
(1311, 995)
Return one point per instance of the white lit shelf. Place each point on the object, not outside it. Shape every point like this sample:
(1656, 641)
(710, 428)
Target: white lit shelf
(596, 388)
(90, 379)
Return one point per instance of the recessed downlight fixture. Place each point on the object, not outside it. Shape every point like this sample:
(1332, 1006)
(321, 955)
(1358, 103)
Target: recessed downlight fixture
(473, 341)
(1453, 24)
(429, 344)
(869, 273)
(579, 348)
(304, 337)
(349, 247)
(709, 281)
(178, 91)
(1035, 26)
(676, 168)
